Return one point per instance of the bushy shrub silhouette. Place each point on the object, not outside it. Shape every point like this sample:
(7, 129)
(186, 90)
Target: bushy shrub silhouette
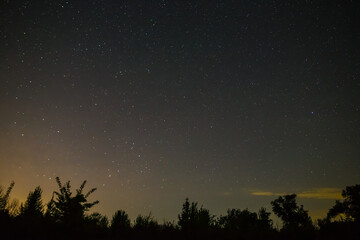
(146, 227)
(67, 208)
(145, 222)
(120, 224)
(243, 224)
(96, 226)
(96, 219)
(194, 221)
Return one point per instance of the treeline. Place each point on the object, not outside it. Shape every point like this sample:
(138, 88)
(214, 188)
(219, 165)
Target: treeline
(65, 217)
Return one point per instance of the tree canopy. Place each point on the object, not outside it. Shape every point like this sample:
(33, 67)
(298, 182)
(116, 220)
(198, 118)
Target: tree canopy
(33, 206)
(67, 216)
(350, 206)
(292, 215)
(66, 207)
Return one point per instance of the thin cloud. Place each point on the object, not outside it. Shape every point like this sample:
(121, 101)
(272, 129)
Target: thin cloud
(259, 193)
(322, 193)
(315, 193)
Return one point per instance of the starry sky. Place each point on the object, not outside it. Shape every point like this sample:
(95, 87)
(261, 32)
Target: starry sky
(229, 103)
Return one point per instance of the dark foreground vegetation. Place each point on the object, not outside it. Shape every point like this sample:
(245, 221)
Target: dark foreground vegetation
(65, 217)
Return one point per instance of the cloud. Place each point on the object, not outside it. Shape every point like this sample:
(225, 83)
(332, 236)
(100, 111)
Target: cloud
(315, 193)
(258, 193)
(322, 193)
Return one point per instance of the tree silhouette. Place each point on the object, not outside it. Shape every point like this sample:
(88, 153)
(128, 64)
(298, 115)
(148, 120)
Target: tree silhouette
(145, 222)
(66, 218)
(347, 227)
(350, 206)
(31, 217)
(292, 215)
(4, 198)
(146, 227)
(245, 224)
(195, 221)
(33, 206)
(264, 218)
(13, 207)
(120, 222)
(187, 215)
(67, 208)
(297, 223)
(8, 212)
(98, 220)
(96, 226)
(237, 221)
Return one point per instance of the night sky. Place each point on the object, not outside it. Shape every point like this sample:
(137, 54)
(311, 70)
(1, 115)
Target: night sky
(229, 103)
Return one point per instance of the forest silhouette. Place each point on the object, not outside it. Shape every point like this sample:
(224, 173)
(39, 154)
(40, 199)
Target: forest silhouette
(66, 216)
